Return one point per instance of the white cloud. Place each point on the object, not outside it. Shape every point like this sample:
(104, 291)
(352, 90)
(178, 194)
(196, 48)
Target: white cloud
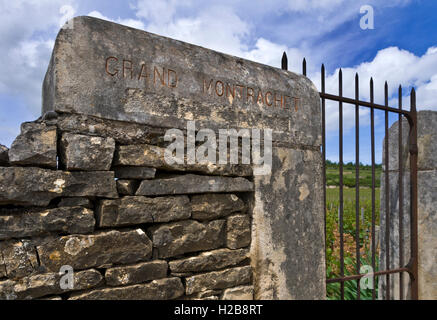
(133, 23)
(27, 29)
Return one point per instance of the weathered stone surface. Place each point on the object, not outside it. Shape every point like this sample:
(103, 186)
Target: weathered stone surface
(122, 132)
(187, 236)
(33, 222)
(138, 210)
(2, 267)
(213, 206)
(209, 261)
(4, 157)
(17, 258)
(40, 285)
(96, 250)
(162, 289)
(427, 218)
(190, 183)
(427, 237)
(238, 293)
(426, 136)
(153, 156)
(218, 279)
(76, 202)
(238, 231)
(139, 173)
(35, 186)
(204, 295)
(288, 251)
(127, 78)
(36, 145)
(141, 272)
(81, 152)
(127, 187)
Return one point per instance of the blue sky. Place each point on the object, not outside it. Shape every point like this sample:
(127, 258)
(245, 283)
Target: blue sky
(402, 47)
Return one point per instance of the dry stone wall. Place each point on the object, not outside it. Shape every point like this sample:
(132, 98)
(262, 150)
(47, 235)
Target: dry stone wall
(88, 186)
(128, 225)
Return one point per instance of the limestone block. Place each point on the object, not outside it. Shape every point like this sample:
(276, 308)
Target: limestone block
(35, 222)
(218, 279)
(138, 210)
(153, 156)
(81, 152)
(40, 285)
(162, 289)
(167, 90)
(209, 261)
(137, 273)
(96, 250)
(36, 145)
(34, 186)
(238, 231)
(213, 206)
(238, 293)
(138, 173)
(190, 183)
(186, 236)
(18, 258)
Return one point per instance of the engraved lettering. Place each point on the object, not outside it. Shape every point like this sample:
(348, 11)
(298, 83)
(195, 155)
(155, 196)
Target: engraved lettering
(260, 97)
(249, 94)
(277, 100)
(161, 76)
(267, 100)
(296, 103)
(129, 67)
(229, 92)
(222, 88)
(240, 94)
(209, 86)
(143, 72)
(172, 80)
(115, 70)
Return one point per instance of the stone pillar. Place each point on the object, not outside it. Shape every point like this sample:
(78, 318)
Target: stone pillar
(112, 72)
(427, 204)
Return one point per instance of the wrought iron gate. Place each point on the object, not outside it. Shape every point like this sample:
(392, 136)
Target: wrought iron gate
(409, 267)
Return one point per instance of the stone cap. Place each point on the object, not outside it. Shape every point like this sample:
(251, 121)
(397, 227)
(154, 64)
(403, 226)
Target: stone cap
(116, 72)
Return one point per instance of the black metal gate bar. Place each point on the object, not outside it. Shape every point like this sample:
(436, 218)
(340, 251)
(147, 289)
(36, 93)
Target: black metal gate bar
(401, 199)
(340, 137)
(387, 196)
(413, 264)
(372, 138)
(357, 181)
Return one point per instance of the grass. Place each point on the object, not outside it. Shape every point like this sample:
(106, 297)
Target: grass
(349, 227)
(365, 175)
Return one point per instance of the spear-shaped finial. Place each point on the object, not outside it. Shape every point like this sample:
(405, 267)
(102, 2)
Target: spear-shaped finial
(413, 100)
(304, 67)
(284, 62)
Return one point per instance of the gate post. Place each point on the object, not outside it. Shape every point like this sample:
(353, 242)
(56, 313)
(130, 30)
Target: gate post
(425, 248)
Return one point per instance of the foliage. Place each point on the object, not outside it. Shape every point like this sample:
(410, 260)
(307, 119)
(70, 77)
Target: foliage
(349, 235)
(365, 174)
